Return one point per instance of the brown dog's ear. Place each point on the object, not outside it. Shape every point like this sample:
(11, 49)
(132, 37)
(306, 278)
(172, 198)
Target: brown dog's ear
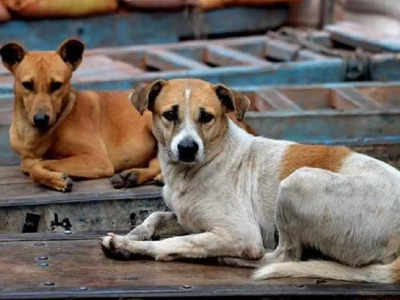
(71, 52)
(232, 100)
(144, 95)
(12, 54)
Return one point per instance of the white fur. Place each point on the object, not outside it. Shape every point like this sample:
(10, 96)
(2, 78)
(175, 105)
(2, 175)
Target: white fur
(325, 269)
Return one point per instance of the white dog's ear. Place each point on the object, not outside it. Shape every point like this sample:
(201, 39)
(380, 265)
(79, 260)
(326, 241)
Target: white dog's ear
(12, 54)
(71, 52)
(144, 96)
(233, 100)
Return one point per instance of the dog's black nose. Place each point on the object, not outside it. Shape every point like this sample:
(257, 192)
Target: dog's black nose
(187, 150)
(41, 121)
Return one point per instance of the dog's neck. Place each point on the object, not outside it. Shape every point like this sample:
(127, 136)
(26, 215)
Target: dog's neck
(27, 135)
(220, 153)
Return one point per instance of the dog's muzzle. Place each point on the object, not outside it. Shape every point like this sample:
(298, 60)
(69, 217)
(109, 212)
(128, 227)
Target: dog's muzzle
(41, 121)
(187, 150)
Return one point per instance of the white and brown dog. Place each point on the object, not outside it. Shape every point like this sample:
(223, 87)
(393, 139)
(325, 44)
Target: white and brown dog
(229, 191)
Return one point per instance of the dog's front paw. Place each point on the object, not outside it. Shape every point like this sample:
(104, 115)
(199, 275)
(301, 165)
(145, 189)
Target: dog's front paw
(114, 246)
(62, 183)
(124, 180)
(159, 180)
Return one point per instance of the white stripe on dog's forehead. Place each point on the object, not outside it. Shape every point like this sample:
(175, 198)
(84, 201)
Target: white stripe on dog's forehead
(188, 93)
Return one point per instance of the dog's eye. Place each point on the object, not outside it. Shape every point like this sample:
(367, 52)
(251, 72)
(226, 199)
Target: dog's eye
(205, 117)
(28, 85)
(55, 85)
(170, 115)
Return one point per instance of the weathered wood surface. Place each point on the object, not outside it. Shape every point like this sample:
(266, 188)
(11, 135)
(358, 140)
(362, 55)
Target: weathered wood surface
(77, 268)
(93, 205)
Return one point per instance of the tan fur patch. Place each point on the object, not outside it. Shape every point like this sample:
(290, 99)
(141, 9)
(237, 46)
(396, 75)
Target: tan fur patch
(395, 268)
(314, 156)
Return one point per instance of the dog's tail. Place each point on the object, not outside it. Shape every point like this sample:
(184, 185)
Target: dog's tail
(378, 273)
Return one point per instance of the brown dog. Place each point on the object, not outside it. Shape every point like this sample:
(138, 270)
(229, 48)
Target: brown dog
(61, 133)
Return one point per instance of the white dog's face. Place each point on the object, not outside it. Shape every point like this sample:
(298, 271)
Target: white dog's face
(189, 115)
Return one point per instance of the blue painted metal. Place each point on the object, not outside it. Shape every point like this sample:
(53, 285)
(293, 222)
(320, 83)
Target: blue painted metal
(385, 67)
(141, 27)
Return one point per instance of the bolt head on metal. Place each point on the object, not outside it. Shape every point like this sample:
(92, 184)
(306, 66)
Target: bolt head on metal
(43, 258)
(83, 288)
(49, 283)
(39, 244)
(44, 264)
(186, 286)
(67, 232)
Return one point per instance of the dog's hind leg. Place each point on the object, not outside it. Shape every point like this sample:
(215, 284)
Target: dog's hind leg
(137, 176)
(82, 166)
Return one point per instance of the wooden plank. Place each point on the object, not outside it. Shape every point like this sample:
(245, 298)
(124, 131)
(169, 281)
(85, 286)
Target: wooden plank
(167, 60)
(78, 269)
(27, 193)
(362, 101)
(93, 205)
(254, 45)
(223, 56)
(277, 100)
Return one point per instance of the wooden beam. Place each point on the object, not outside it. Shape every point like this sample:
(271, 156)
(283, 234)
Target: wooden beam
(359, 100)
(277, 100)
(223, 56)
(167, 60)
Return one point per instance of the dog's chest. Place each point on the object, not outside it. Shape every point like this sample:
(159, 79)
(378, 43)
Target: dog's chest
(27, 143)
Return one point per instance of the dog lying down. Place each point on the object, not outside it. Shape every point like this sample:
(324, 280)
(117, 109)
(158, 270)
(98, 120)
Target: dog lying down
(229, 190)
(60, 132)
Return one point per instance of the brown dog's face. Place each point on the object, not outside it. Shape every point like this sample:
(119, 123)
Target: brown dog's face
(42, 79)
(189, 115)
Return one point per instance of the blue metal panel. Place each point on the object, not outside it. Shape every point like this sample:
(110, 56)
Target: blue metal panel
(140, 27)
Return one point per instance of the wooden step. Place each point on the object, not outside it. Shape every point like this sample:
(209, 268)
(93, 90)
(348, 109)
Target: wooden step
(67, 266)
(93, 205)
